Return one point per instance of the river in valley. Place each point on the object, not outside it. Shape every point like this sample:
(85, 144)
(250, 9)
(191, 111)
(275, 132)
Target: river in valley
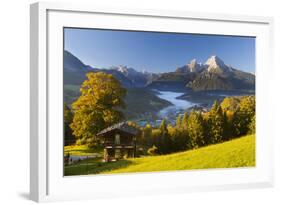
(170, 113)
(178, 105)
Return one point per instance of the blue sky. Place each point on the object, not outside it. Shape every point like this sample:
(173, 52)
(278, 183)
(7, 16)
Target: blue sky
(157, 52)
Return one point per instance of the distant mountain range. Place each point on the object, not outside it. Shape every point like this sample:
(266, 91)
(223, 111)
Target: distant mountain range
(212, 75)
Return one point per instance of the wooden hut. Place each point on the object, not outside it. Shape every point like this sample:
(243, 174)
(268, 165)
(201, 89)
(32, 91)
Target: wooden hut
(119, 141)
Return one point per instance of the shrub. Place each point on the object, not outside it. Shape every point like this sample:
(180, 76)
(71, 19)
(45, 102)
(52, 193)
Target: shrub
(152, 151)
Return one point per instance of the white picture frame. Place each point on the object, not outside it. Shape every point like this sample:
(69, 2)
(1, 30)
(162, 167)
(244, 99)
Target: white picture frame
(46, 179)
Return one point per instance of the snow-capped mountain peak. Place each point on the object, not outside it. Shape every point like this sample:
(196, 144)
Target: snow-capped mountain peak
(215, 61)
(216, 65)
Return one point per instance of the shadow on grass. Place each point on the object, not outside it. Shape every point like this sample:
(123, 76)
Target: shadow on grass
(94, 166)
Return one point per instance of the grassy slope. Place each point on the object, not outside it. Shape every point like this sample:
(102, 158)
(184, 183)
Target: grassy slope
(236, 153)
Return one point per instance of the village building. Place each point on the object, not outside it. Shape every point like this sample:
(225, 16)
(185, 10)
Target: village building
(119, 141)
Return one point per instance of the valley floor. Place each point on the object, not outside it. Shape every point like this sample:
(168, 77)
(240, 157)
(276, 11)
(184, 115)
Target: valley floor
(235, 153)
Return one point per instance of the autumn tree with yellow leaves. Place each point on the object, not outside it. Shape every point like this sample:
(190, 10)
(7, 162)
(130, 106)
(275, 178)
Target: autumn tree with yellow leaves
(101, 97)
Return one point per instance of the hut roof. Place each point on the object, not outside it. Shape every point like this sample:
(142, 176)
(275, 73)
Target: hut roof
(123, 126)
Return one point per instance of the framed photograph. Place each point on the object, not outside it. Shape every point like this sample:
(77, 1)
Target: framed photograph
(131, 102)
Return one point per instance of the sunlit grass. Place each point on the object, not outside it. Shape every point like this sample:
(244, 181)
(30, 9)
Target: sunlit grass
(236, 153)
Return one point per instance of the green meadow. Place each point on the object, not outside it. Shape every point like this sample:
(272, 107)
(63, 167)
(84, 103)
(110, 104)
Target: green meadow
(234, 153)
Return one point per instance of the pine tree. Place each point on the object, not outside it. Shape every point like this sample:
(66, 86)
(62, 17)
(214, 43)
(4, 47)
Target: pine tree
(178, 122)
(185, 120)
(196, 130)
(165, 143)
(244, 115)
(227, 132)
(163, 126)
(179, 139)
(184, 131)
(216, 123)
